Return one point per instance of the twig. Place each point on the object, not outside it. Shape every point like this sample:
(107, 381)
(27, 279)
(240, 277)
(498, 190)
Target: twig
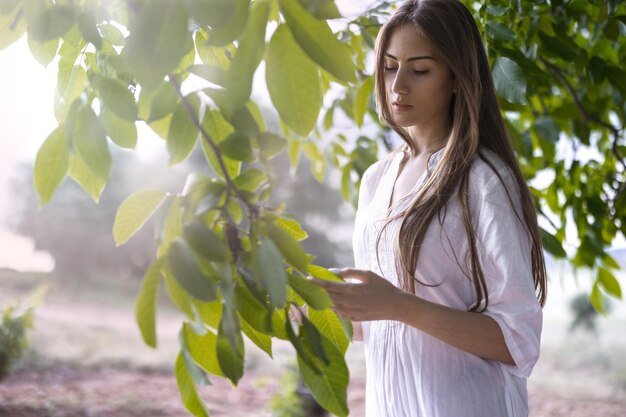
(253, 210)
(588, 117)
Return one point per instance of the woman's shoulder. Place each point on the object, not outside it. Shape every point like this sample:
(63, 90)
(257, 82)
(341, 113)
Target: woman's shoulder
(489, 171)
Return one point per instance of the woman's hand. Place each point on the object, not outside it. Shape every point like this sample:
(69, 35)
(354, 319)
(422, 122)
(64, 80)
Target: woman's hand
(372, 298)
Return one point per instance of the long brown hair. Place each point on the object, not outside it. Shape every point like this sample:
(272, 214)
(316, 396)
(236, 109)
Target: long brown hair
(476, 121)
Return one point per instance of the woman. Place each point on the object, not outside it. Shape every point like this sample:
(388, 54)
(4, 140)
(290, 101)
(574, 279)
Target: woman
(451, 276)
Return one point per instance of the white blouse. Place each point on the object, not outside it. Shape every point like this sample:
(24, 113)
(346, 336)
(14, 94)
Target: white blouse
(410, 373)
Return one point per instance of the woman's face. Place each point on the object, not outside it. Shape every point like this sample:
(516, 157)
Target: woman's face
(416, 76)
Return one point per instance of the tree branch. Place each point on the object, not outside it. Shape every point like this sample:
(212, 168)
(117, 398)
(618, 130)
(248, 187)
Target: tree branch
(253, 210)
(588, 117)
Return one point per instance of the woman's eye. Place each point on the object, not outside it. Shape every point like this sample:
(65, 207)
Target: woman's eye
(421, 72)
(389, 69)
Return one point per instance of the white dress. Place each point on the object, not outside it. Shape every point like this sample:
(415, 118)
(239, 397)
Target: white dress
(410, 373)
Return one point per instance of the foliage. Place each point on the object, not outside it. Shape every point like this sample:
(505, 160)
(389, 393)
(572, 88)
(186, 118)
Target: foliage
(558, 66)
(17, 321)
(229, 259)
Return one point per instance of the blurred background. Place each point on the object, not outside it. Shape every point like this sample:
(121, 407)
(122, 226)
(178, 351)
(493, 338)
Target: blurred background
(86, 357)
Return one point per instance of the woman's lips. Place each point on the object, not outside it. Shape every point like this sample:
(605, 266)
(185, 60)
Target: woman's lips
(401, 107)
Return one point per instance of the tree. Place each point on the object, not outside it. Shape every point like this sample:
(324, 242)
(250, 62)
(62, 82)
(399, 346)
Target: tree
(232, 261)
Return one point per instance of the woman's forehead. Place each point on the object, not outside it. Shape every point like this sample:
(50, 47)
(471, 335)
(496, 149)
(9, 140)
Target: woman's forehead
(407, 42)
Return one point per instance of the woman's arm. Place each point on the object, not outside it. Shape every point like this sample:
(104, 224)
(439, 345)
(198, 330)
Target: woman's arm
(374, 298)
(357, 331)
(474, 333)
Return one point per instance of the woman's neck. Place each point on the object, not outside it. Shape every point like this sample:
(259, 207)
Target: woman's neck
(428, 139)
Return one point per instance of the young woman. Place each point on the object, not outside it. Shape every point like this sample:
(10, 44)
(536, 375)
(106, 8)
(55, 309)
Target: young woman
(448, 257)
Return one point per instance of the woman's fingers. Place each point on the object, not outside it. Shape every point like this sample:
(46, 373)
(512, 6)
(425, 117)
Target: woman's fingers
(360, 274)
(330, 286)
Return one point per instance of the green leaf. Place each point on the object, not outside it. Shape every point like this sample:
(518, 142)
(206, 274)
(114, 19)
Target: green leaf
(49, 22)
(610, 262)
(330, 387)
(192, 401)
(597, 299)
(317, 39)
(164, 101)
(322, 9)
(205, 241)
(12, 27)
(177, 294)
(289, 247)
(318, 166)
(211, 73)
(609, 282)
(237, 146)
(86, 178)
(122, 132)
(560, 45)
(552, 244)
(270, 270)
(315, 296)
(51, 164)
(188, 272)
(112, 34)
(116, 97)
(346, 183)
(44, 52)
(90, 142)
(251, 46)
(292, 227)
(87, 23)
(71, 82)
(146, 304)
(157, 42)
(262, 340)
(294, 155)
(252, 310)
(313, 340)
(304, 353)
(293, 82)
(212, 55)
(547, 129)
(170, 227)
(323, 273)
(134, 212)
(617, 78)
(271, 144)
(216, 126)
(330, 326)
(361, 100)
(509, 80)
(500, 32)
(227, 19)
(71, 79)
(203, 349)
(183, 133)
(231, 360)
(597, 69)
(257, 124)
(250, 179)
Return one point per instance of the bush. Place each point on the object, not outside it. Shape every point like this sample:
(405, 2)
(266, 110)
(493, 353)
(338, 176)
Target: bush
(17, 321)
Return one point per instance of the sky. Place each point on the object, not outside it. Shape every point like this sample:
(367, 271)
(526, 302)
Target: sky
(26, 118)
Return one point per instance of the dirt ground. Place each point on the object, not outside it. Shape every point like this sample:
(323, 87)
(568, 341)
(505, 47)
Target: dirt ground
(67, 392)
(88, 360)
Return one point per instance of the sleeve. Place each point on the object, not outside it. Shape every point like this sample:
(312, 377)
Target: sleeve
(505, 252)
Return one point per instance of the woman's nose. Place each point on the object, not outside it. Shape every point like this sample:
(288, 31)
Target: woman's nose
(399, 85)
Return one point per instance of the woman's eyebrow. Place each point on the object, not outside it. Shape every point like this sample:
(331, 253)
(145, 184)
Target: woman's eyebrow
(413, 58)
